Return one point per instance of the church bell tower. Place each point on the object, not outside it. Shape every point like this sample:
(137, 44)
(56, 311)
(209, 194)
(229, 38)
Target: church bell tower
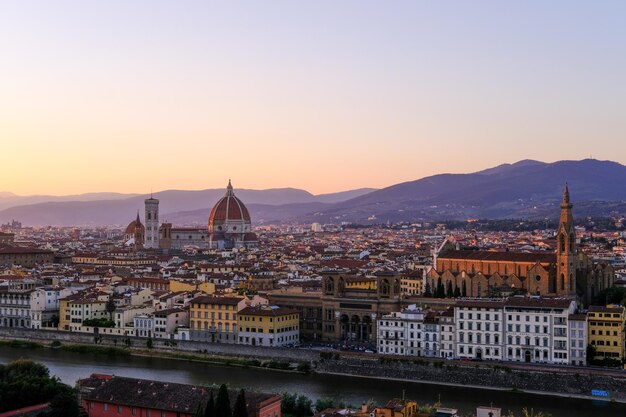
(566, 249)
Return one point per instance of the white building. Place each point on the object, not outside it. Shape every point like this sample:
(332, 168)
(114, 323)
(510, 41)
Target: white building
(15, 308)
(44, 306)
(152, 223)
(537, 329)
(578, 339)
(402, 333)
(479, 329)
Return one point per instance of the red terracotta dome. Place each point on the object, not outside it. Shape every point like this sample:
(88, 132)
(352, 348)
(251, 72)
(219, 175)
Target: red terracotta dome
(132, 226)
(228, 209)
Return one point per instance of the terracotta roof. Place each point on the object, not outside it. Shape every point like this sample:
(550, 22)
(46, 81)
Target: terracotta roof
(538, 302)
(481, 255)
(228, 207)
(603, 309)
(209, 299)
(157, 395)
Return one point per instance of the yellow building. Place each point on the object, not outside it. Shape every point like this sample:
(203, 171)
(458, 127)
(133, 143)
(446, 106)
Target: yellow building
(76, 308)
(186, 285)
(214, 319)
(265, 325)
(606, 331)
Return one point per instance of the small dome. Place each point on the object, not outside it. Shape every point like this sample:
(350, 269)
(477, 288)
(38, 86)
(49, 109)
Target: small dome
(228, 208)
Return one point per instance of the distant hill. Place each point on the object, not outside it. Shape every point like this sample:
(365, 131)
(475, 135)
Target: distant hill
(186, 206)
(525, 189)
(522, 189)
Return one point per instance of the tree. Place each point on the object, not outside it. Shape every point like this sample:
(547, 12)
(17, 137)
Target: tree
(591, 353)
(303, 406)
(149, 343)
(240, 409)
(463, 290)
(64, 404)
(288, 403)
(323, 403)
(457, 291)
(427, 290)
(222, 403)
(440, 289)
(24, 383)
(449, 292)
(110, 307)
(209, 409)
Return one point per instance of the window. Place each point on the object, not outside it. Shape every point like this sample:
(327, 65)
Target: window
(134, 411)
(105, 406)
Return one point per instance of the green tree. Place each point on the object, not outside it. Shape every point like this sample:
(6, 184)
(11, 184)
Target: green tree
(449, 291)
(222, 403)
(323, 403)
(110, 307)
(463, 289)
(427, 290)
(441, 293)
(288, 403)
(64, 404)
(457, 291)
(240, 409)
(209, 409)
(303, 406)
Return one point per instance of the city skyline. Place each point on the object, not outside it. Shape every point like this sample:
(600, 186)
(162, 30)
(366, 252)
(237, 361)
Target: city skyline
(325, 97)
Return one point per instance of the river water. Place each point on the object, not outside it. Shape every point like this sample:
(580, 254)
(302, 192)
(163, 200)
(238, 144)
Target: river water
(70, 367)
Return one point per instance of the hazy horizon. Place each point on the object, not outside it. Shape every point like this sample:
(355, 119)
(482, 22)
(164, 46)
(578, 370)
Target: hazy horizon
(131, 96)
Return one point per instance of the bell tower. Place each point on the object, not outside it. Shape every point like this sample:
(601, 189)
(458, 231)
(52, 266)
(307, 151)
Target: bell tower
(566, 249)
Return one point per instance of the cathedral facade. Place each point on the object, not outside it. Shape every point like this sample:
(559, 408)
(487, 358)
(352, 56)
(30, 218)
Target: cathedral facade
(567, 272)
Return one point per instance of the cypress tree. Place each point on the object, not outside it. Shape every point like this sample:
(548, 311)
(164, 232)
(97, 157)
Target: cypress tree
(464, 290)
(209, 409)
(240, 409)
(222, 403)
(457, 291)
(449, 292)
(441, 292)
(427, 292)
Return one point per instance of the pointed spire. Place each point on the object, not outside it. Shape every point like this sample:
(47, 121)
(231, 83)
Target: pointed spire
(566, 194)
(138, 222)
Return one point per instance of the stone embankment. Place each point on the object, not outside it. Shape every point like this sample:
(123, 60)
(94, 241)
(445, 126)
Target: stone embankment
(217, 349)
(501, 377)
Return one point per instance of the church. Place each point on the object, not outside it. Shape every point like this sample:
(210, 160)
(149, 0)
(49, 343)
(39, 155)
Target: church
(567, 272)
(229, 227)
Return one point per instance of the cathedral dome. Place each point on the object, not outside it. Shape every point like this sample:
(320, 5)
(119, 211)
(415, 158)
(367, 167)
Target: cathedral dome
(132, 226)
(229, 209)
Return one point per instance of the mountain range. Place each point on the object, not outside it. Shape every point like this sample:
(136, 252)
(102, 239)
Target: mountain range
(526, 189)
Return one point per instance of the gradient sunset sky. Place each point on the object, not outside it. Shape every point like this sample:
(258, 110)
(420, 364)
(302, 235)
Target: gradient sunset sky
(130, 96)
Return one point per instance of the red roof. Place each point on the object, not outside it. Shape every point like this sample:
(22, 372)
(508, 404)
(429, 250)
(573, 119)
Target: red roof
(228, 207)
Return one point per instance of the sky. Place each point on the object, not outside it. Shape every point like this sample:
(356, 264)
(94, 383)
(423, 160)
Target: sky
(130, 96)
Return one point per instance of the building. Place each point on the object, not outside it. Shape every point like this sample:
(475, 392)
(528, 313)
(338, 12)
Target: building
(15, 307)
(44, 306)
(447, 344)
(537, 329)
(152, 223)
(401, 333)
(567, 272)
(23, 256)
(479, 329)
(265, 325)
(578, 339)
(6, 238)
(229, 223)
(107, 395)
(606, 331)
(214, 319)
(86, 305)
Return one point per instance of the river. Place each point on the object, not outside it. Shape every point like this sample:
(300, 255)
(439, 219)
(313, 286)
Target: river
(70, 367)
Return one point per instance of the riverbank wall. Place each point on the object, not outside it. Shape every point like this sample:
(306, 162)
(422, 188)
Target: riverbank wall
(487, 376)
(187, 346)
(468, 375)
